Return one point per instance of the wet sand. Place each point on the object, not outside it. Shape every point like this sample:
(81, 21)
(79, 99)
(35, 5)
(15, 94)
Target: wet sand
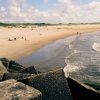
(29, 40)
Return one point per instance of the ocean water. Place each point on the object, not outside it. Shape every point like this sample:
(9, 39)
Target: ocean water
(84, 62)
(49, 57)
(78, 55)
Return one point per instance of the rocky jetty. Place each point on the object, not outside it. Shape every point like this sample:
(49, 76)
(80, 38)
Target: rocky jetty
(53, 85)
(20, 83)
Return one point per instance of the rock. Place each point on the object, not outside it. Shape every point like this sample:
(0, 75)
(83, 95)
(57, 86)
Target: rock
(53, 85)
(13, 90)
(1, 76)
(81, 91)
(2, 68)
(30, 70)
(16, 76)
(5, 61)
(15, 66)
(39, 72)
(11, 66)
(12, 71)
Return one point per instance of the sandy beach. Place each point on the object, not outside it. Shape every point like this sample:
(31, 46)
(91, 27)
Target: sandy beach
(16, 43)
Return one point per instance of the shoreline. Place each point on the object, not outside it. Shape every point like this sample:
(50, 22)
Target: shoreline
(36, 38)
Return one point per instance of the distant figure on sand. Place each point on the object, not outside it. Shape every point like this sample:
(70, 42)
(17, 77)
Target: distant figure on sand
(9, 39)
(25, 38)
(14, 39)
(77, 33)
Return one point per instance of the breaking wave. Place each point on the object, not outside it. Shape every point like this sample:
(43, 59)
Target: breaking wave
(73, 67)
(70, 68)
(96, 46)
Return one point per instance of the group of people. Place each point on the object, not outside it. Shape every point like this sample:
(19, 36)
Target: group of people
(14, 39)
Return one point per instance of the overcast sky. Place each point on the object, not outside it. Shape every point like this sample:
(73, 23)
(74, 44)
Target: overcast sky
(50, 11)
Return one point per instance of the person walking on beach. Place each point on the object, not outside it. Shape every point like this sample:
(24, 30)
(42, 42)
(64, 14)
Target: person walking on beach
(77, 33)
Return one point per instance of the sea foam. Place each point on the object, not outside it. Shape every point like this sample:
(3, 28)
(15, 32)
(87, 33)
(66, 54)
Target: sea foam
(96, 46)
(73, 67)
(70, 68)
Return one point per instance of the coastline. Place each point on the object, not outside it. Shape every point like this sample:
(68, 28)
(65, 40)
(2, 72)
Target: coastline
(36, 38)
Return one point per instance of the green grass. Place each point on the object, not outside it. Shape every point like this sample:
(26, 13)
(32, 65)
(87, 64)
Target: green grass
(23, 25)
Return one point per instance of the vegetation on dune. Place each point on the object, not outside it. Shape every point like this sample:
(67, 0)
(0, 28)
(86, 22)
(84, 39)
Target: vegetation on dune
(23, 25)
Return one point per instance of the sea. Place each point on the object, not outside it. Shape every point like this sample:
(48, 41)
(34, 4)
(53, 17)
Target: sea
(78, 55)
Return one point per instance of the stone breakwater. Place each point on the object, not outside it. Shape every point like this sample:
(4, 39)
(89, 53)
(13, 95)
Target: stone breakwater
(20, 83)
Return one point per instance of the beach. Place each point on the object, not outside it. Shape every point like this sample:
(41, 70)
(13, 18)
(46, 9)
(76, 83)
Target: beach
(16, 43)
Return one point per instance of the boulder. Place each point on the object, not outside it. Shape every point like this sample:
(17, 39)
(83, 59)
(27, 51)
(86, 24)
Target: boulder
(16, 76)
(30, 70)
(5, 61)
(2, 68)
(11, 66)
(13, 90)
(15, 66)
(12, 71)
(81, 91)
(1, 76)
(53, 85)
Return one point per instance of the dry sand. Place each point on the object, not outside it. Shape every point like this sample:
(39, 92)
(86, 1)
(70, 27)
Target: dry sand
(36, 38)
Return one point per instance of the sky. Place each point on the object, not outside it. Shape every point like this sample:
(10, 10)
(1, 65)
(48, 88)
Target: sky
(49, 11)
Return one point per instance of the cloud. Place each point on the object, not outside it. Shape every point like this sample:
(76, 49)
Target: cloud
(19, 11)
(64, 11)
(16, 2)
(94, 5)
(71, 11)
(46, 1)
